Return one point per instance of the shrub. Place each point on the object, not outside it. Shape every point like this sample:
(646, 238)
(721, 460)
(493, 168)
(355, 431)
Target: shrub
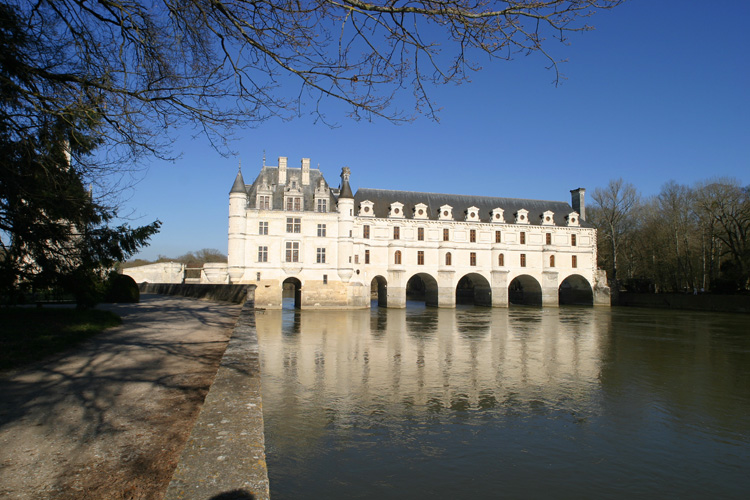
(121, 288)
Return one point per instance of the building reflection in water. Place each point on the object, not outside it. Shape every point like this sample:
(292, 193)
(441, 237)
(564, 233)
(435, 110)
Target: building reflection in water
(426, 359)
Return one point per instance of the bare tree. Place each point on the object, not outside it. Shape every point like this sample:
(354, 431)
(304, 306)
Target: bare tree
(724, 206)
(148, 67)
(612, 215)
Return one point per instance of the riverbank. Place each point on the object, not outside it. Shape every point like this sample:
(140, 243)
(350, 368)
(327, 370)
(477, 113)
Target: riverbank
(110, 418)
(699, 302)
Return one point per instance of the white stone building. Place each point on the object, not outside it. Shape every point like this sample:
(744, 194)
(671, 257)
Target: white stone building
(340, 250)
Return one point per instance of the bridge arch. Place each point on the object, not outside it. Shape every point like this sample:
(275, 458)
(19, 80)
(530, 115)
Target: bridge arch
(291, 293)
(423, 287)
(575, 289)
(379, 290)
(473, 288)
(525, 290)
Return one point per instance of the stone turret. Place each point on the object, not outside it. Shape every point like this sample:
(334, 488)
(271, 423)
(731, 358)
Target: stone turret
(237, 223)
(346, 226)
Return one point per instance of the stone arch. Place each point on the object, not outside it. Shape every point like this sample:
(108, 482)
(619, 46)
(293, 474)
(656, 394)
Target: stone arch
(575, 289)
(423, 286)
(291, 288)
(379, 291)
(473, 288)
(525, 290)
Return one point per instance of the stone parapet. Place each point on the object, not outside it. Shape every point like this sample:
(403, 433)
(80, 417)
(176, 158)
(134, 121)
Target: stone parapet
(225, 453)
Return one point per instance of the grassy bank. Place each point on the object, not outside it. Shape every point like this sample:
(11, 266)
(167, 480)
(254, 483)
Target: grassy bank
(31, 334)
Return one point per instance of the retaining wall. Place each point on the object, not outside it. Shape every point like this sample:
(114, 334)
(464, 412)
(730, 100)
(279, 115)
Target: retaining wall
(225, 452)
(700, 302)
(226, 293)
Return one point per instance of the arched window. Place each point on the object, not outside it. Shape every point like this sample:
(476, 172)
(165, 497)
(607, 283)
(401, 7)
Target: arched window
(501, 260)
(551, 261)
(448, 259)
(397, 257)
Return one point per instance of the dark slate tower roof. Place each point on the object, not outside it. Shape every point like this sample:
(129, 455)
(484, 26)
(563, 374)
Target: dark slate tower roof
(269, 178)
(382, 199)
(239, 184)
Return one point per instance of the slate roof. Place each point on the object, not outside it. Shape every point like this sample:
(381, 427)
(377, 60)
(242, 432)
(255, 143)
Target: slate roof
(270, 176)
(382, 199)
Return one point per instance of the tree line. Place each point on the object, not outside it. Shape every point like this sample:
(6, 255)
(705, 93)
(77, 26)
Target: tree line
(190, 259)
(685, 238)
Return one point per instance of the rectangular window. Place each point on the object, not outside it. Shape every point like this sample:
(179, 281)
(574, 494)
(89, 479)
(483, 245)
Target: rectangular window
(293, 224)
(574, 261)
(321, 230)
(292, 251)
(294, 204)
(446, 234)
(257, 276)
(572, 240)
(396, 233)
(548, 237)
(420, 258)
(365, 232)
(523, 260)
(522, 238)
(473, 259)
(322, 205)
(367, 256)
(262, 228)
(420, 233)
(320, 256)
(498, 237)
(356, 259)
(262, 254)
(264, 202)
(325, 279)
(397, 257)
(473, 235)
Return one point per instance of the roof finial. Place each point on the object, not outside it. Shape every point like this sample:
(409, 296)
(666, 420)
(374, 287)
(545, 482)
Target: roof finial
(239, 165)
(264, 157)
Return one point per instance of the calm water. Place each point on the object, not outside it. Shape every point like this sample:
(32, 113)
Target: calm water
(506, 403)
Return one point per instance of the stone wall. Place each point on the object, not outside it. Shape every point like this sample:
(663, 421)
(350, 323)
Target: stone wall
(161, 272)
(225, 453)
(700, 302)
(227, 293)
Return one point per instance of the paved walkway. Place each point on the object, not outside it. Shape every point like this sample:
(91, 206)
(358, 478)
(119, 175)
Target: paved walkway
(108, 420)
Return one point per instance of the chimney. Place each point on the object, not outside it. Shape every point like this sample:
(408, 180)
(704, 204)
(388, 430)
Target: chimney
(578, 202)
(282, 170)
(305, 171)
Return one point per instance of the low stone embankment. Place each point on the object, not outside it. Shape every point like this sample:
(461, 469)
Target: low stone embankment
(225, 453)
(225, 293)
(700, 302)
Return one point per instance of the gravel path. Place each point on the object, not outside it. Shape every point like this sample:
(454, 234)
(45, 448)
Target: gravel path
(109, 419)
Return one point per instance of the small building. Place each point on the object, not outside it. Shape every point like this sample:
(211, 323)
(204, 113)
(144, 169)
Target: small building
(336, 249)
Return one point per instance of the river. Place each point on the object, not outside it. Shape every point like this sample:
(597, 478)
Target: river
(480, 403)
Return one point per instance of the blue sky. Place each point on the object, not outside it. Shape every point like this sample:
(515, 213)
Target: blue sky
(659, 91)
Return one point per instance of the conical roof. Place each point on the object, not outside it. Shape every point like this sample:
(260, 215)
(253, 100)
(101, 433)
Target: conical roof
(239, 184)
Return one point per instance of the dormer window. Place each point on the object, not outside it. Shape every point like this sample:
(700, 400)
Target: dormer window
(294, 203)
(420, 211)
(322, 195)
(396, 210)
(446, 212)
(522, 216)
(572, 219)
(264, 202)
(497, 216)
(472, 214)
(548, 218)
(366, 209)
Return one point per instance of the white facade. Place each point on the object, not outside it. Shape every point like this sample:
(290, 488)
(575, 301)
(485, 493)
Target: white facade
(335, 247)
